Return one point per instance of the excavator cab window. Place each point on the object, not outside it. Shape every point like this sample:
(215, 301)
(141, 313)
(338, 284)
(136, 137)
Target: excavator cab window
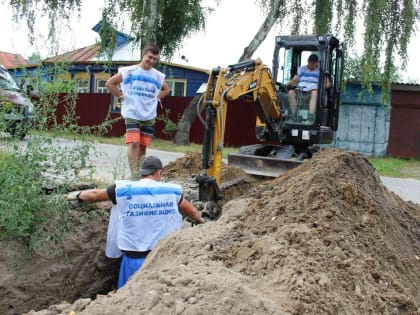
(298, 80)
(318, 110)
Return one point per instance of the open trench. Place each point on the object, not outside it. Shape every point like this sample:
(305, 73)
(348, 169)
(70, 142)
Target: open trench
(78, 268)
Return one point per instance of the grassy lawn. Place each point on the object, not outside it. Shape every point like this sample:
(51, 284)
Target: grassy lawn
(385, 166)
(396, 167)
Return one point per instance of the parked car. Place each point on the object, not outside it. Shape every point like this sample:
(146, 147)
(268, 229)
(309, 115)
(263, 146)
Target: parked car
(16, 109)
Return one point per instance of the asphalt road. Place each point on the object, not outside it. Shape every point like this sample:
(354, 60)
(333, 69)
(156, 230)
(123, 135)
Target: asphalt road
(407, 188)
(114, 161)
(111, 160)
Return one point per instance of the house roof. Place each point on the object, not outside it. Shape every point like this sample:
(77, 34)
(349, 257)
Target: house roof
(397, 86)
(125, 53)
(9, 60)
(79, 55)
(88, 55)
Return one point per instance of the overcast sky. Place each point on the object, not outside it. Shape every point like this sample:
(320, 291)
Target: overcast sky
(229, 29)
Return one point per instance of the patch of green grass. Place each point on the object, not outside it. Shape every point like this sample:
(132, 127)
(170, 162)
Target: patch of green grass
(165, 145)
(396, 167)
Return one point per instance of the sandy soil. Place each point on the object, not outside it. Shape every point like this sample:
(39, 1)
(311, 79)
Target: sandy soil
(324, 238)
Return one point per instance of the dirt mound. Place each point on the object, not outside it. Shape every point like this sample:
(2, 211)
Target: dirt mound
(184, 167)
(190, 165)
(325, 238)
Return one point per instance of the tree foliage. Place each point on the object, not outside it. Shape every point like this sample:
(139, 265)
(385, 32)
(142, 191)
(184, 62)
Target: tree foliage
(34, 58)
(387, 26)
(55, 10)
(354, 71)
(164, 22)
(108, 36)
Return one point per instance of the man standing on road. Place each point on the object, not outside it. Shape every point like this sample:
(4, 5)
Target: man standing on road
(147, 210)
(142, 87)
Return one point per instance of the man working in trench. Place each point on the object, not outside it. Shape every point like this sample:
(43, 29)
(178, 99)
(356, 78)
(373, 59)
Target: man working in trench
(147, 211)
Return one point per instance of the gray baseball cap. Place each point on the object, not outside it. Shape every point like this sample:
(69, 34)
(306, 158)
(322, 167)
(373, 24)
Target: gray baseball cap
(150, 165)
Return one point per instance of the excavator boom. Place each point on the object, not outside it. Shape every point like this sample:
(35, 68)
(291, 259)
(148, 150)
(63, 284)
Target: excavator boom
(252, 81)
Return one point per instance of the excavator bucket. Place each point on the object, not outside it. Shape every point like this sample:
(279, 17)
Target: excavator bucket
(262, 165)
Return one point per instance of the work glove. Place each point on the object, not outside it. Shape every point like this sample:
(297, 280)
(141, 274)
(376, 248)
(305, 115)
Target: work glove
(205, 220)
(73, 198)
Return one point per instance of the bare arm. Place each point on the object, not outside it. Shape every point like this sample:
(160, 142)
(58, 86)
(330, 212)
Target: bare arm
(293, 81)
(188, 209)
(94, 195)
(327, 83)
(164, 91)
(113, 83)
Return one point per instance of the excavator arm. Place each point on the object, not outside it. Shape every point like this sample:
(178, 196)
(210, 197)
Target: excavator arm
(252, 81)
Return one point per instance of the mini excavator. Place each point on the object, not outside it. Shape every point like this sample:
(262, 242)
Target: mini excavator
(286, 137)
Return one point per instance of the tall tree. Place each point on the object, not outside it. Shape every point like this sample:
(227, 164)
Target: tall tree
(273, 14)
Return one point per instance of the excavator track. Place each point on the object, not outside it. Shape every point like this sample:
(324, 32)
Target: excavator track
(262, 165)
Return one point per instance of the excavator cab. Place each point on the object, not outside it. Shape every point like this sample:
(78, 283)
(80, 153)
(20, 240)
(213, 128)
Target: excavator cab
(310, 107)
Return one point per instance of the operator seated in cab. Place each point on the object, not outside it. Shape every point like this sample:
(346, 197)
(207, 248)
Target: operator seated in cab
(307, 81)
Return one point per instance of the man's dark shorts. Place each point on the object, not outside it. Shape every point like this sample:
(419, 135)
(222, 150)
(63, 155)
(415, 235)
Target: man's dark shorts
(139, 131)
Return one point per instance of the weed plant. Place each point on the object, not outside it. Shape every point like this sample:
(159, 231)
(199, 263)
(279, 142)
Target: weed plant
(34, 178)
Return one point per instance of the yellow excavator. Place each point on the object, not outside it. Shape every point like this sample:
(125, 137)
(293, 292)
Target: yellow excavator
(288, 128)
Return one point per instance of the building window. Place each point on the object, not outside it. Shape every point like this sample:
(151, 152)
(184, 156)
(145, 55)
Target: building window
(82, 82)
(116, 104)
(100, 80)
(82, 86)
(178, 87)
(100, 86)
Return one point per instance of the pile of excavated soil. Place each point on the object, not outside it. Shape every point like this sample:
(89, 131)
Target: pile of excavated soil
(185, 167)
(190, 165)
(325, 238)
